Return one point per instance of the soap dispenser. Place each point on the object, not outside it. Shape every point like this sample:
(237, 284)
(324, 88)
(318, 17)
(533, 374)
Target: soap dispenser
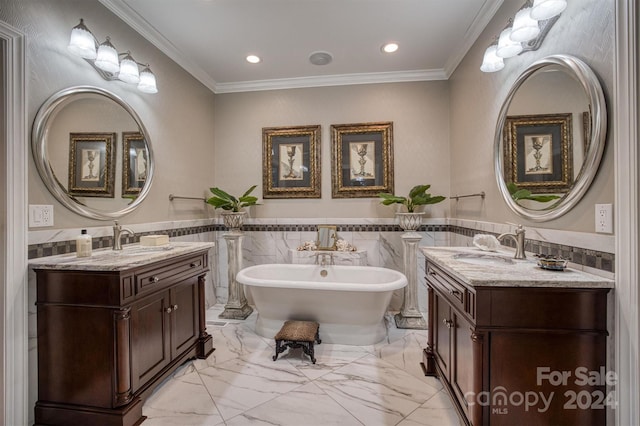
(83, 244)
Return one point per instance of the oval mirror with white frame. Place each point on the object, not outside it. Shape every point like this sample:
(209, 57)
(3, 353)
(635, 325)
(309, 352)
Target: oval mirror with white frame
(92, 152)
(550, 137)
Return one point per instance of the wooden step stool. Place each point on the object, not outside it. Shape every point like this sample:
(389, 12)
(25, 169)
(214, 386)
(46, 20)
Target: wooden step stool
(298, 334)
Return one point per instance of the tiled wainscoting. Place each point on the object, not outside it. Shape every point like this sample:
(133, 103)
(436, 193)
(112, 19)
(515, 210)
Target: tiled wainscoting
(271, 240)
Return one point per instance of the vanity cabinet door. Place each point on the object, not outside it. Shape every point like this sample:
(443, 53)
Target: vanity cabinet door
(150, 337)
(462, 372)
(442, 335)
(184, 316)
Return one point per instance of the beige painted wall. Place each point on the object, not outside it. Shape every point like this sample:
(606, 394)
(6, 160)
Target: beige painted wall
(443, 131)
(178, 118)
(420, 115)
(584, 30)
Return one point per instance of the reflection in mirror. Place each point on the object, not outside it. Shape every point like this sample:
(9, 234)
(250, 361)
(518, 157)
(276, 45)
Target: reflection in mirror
(92, 152)
(327, 237)
(550, 137)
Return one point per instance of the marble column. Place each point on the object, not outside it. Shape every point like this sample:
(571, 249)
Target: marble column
(410, 315)
(236, 307)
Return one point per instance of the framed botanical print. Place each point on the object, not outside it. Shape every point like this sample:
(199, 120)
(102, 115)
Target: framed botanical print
(91, 164)
(538, 152)
(134, 162)
(362, 159)
(291, 162)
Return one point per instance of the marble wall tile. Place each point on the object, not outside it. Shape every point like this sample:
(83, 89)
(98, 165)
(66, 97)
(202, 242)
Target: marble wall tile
(273, 244)
(305, 257)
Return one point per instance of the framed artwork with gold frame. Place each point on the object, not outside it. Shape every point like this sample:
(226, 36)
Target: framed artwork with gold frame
(291, 162)
(91, 164)
(539, 152)
(362, 159)
(134, 162)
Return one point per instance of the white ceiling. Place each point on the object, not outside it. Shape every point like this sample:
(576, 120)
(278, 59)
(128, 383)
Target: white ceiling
(211, 38)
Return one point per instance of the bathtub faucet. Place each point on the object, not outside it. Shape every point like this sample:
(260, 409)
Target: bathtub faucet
(321, 259)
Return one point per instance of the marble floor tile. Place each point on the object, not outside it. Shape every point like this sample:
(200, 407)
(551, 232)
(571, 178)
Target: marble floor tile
(306, 405)
(230, 342)
(239, 383)
(248, 381)
(329, 357)
(182, 400)
(437, 411)
(375, 391)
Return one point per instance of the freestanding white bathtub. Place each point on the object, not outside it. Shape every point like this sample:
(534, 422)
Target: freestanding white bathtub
(349, 302)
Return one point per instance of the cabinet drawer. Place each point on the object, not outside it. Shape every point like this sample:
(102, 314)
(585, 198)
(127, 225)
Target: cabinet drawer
(453, 292)
(156, 278)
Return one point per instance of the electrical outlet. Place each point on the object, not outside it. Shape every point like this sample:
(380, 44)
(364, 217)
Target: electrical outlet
(604, 218)
(40, 215)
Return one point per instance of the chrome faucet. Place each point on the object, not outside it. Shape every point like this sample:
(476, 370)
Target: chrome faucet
(118, 231)
(321, 259)
(518, 238)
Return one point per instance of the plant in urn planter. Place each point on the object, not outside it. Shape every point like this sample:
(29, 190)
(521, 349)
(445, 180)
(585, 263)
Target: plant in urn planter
(233, 216)
(418, 196)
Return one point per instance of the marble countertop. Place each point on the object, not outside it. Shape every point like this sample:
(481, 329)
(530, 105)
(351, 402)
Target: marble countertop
(131, 256)
(502, 270)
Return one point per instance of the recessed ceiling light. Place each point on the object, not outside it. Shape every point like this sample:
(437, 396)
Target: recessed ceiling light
(253, 59)
(389, 47)
(320, 58)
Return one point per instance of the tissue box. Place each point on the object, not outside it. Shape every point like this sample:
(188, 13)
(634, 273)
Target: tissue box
(154, 240)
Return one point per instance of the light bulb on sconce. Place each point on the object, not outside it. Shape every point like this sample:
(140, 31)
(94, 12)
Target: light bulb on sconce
(147, 82)
(491, 62)
(82, 42)
(507, 48)
(546, 9)
(525, 28)
(105, 59)
(129, 70)
(523, 33)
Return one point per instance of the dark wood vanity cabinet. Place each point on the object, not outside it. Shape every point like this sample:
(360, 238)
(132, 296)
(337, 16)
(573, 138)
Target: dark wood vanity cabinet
(107, 338)
(519, 355)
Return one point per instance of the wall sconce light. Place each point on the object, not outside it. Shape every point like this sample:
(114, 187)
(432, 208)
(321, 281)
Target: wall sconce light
(523, 33)
(105, 59)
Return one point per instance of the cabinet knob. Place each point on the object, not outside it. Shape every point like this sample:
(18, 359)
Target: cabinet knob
(193, 265)
(168, 310)
(175, 307)
(154, 279)
(453, 292)
(447, 322)
(432, 273)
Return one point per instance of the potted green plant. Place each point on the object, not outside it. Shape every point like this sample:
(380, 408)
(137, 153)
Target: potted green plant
(418, 196)
(233, 215)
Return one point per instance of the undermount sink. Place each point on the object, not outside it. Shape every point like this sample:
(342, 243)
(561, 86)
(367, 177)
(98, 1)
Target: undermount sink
(483, 259)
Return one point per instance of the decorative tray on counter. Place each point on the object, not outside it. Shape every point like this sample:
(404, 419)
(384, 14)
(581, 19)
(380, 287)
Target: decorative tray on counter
(551, 263)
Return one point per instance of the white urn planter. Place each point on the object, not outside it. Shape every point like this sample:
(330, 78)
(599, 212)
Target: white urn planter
(410, 221)
(233, 220)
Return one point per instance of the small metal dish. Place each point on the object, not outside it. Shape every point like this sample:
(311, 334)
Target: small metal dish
(553, 264)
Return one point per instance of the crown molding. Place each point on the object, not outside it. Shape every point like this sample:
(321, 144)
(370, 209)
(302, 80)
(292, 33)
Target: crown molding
(142, 27)
(330, 80)
(484, 16)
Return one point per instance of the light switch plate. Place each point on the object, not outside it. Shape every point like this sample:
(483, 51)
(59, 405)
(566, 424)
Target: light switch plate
(604, 218)
(40, 215)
